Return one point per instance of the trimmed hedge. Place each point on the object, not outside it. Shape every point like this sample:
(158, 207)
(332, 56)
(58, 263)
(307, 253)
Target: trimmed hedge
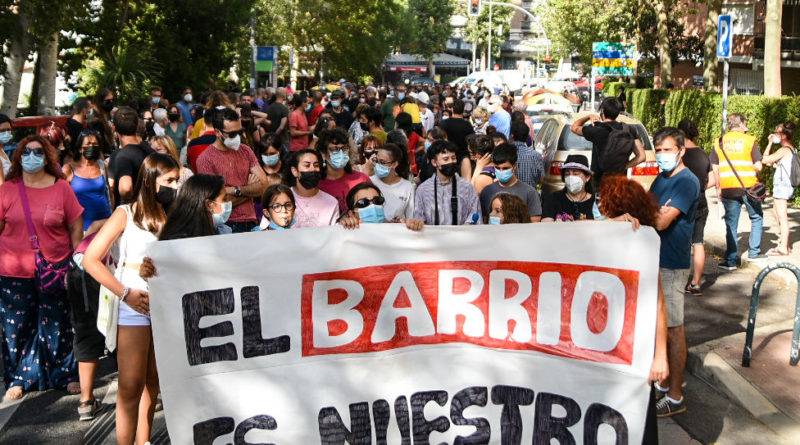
(645, 105)
(611, 89)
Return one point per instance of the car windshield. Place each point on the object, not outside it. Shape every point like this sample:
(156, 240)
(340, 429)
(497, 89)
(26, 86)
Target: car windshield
(571, 141)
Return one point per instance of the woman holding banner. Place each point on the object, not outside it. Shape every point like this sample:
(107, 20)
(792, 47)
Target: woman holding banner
(135, 226)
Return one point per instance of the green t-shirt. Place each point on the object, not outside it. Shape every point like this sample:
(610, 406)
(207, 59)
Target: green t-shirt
(387, 109)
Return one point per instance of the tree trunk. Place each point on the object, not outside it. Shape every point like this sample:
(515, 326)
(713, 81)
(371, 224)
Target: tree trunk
(710, 61)
(46, 77)
(18, 49)
(662, 8)
(772, 49)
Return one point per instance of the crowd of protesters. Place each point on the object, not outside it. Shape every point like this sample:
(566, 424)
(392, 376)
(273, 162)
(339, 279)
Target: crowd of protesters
(120, 176)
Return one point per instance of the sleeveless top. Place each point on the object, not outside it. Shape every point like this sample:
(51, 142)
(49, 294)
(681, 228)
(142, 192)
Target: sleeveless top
(6, 164)
(784, 168)
(91, 193)
(132, 246)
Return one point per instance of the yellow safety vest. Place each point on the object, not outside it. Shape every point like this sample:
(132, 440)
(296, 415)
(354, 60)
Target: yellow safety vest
(738, 146)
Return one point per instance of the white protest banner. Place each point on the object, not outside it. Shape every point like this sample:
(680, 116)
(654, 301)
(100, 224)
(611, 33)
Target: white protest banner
(484, 334)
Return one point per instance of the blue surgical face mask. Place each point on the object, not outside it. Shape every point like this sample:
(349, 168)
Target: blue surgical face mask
(494, 220)
(32, 163)
(667, 161)
(156, 100)
(339, 159)
(274, 226)
(271, 160)
(596, 212)
(308, 107)
(504, 175)
(382, 171)
(401, 96)
(222, 218)
(372, 214)
(336, 103)
(427, 145)
(5, 137)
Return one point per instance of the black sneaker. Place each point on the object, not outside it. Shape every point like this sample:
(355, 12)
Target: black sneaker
(725, 266)
(757, 258)
(693, 289)
(665, 408)
(87, 409)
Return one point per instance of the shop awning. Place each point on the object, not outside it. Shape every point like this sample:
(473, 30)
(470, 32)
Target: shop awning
(414, 61)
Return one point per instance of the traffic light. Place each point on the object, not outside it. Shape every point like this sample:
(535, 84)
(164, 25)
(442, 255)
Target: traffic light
(474, 7)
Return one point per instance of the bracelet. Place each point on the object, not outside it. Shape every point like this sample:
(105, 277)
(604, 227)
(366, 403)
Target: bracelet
(125, 293)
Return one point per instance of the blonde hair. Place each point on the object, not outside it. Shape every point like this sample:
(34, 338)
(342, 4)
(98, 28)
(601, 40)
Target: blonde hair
(480, 112)
(167, 142)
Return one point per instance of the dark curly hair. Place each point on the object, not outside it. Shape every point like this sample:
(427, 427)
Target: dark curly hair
(619, 195)
(515, 211)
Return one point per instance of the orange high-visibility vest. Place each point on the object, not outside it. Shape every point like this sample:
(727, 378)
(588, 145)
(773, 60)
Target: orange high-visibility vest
(738, 146)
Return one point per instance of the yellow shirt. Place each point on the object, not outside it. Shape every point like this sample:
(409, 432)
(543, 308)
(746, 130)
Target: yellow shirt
(413, 110)
(199, 128)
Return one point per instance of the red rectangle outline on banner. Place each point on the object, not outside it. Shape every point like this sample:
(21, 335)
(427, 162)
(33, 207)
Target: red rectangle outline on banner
(376, 281)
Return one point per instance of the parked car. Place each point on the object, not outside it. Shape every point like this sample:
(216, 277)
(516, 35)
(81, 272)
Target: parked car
(540, 113)
(556, 141)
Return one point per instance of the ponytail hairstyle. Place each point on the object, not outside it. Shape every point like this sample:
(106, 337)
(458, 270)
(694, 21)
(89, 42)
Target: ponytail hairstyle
(401, 157)
(148, 214)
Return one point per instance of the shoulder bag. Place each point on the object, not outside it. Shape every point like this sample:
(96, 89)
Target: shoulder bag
(757, 192)
(50, 278)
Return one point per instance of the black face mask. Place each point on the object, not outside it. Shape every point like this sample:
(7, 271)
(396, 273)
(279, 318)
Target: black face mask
(91, 152)
(165, 196)
(173, 117)
(448, 169)
(108, 105)
(364, 126)
(246, 123)
(310, 180)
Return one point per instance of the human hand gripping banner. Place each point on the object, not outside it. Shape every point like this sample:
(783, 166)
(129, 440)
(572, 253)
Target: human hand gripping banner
(461, 335)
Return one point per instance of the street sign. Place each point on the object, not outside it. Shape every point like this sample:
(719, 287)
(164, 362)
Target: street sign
(474, 7)
(613, 59)
(724, 37)
(265, 58)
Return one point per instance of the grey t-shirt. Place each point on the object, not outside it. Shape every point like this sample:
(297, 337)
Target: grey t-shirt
(521, 189)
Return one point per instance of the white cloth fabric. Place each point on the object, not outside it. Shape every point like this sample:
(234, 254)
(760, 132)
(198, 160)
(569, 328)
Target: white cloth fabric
(133, 243)
(399, 198)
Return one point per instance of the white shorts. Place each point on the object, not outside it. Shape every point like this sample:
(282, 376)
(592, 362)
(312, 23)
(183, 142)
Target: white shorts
(129, 317)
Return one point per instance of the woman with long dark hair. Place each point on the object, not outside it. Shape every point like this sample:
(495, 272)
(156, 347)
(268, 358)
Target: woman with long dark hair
(135, 226)
(86, 173)
(391, 171)
(201, 206)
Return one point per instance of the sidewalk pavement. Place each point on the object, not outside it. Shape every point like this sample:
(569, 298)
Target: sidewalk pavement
(768, 389)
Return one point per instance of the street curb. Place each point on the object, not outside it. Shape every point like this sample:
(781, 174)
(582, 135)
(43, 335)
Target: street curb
(706, 364)
(784, 276)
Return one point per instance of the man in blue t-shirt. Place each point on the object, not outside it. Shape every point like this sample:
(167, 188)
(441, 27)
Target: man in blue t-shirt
(677, 191)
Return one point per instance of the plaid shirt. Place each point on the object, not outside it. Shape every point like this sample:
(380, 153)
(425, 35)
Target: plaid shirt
(530, 167)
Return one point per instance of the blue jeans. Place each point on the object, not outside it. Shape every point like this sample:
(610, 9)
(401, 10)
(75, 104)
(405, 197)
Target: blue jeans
(733, 207)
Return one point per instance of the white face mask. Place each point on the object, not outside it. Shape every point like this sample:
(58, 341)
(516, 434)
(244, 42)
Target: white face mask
(574, 184)
(232, 143)
(776, 139)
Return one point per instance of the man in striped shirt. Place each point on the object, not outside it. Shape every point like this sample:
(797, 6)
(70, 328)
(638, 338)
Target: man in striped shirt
(434, 203)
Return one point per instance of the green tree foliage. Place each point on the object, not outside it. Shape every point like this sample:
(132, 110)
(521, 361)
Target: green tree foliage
(428, 23)
(477, 29)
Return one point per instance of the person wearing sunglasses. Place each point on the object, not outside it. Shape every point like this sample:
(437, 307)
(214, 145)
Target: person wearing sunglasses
(340, 177)
(391, 171)
(366, 154)
(366, 205)
(278, 203)
(234, 161)
(35, 201)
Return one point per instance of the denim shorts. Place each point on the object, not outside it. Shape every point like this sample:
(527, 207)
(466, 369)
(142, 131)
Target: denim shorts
(782, 189)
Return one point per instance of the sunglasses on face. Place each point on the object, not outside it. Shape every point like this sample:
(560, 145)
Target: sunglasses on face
(37, 151)
(337, 148)
(232, 134)
(287, 207)
(85, 133)
(365, 202)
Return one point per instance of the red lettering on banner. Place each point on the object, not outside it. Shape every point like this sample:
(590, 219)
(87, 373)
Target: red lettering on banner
(574, 311)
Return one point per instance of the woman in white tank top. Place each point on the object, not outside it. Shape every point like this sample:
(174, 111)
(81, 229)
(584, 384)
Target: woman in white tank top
(133, 227)
(782, 189)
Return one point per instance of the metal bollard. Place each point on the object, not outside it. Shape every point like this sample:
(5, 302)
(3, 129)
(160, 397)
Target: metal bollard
(751, 320)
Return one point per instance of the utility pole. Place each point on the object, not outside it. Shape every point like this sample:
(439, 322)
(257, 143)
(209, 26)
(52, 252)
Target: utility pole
(489, 51)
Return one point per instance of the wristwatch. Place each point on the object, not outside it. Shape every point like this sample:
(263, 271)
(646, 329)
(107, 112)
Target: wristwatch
(237, 192)
(125, 293)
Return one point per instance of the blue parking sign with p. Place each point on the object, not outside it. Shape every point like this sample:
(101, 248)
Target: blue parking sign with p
(724, 37)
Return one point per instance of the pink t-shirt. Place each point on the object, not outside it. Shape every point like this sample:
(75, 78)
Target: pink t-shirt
(316, 211)
(298, 120)
(234, 166)
(53, 209)
(338, 188)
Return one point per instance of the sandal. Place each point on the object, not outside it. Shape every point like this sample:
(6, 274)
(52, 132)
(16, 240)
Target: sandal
(777, 252)
(74, 388)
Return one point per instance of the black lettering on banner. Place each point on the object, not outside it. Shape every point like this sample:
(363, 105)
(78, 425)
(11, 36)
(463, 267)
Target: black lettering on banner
(511, 397)
(423, 427)
(381, 412)
(403, 421)
(254, 344)
(549, 427)
(197, 305)
(260, 422)
(205, 432)
(598, 414)
(474, 395)
(332, 430)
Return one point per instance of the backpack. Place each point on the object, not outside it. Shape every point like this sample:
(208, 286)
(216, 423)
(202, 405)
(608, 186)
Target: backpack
(617, 152)
(794, 175)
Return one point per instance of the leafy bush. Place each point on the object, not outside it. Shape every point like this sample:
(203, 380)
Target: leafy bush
(645, 105)
(611, 89)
